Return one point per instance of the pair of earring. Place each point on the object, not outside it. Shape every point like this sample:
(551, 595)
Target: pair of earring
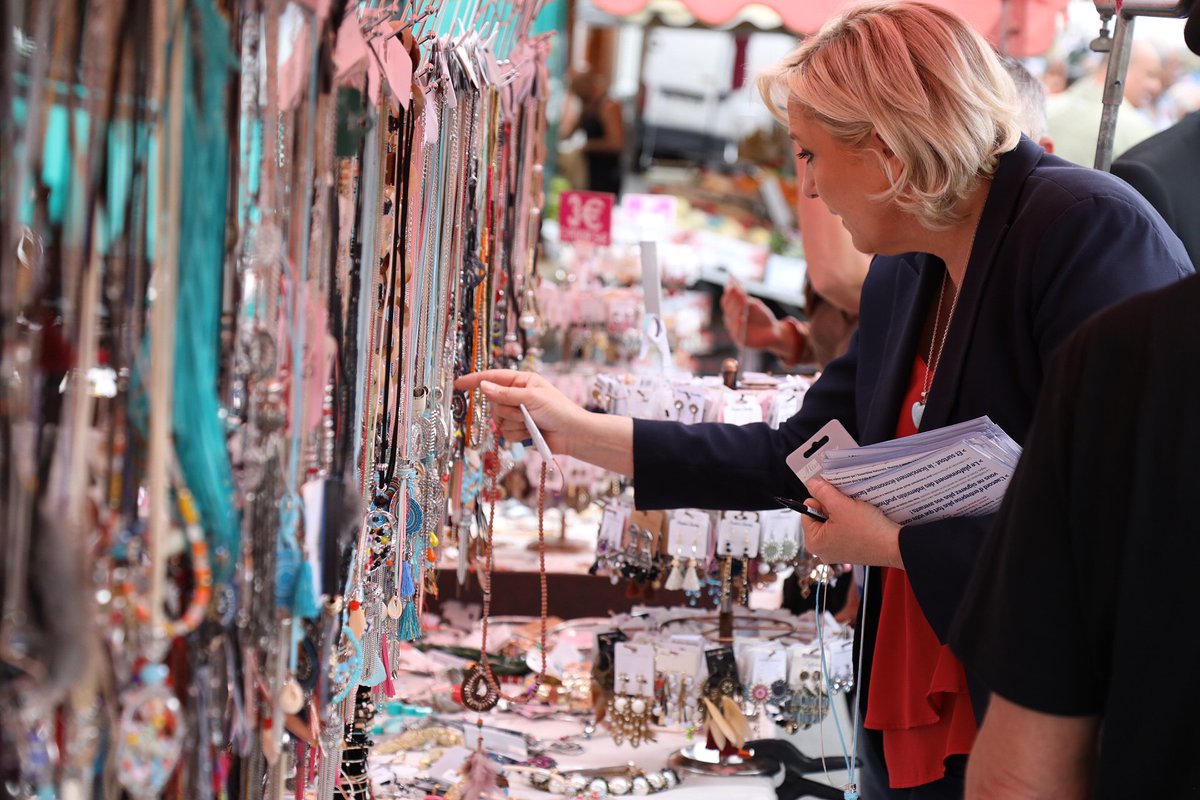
(778, 551)
(629, 714)
(683, 578)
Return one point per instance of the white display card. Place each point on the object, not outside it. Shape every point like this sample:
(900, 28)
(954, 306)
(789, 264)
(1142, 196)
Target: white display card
(633, 669)
(687, 534)
(613, 523)
(779, 526)
(768, 666)
(684, 658)
(742, 410)
(737, 534)
(804, 460)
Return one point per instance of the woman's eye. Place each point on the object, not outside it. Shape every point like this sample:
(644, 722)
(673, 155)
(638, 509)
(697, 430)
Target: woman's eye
(804, 155)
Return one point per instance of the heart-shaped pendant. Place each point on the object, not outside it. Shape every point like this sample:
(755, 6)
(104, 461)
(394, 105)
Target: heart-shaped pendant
(918, 410)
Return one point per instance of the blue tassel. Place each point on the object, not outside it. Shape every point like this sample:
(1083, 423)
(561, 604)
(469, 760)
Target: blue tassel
(287, 572)
(407, 588)
(410, 624)
(305, 605)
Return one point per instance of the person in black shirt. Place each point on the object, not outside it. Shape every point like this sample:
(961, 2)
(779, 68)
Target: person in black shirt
(599, 117)
(1058, 621)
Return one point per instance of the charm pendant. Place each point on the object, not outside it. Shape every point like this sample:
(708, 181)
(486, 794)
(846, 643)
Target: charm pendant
(918, 410)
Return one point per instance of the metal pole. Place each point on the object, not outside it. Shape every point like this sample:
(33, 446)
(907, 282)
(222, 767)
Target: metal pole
(1114, 89)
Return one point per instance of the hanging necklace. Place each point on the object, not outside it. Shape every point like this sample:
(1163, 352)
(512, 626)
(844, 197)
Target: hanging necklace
(480, 690)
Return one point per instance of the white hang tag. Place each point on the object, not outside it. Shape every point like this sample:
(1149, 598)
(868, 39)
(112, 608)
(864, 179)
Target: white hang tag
(683, 658)
(633, 667)
(613, 523)
(805, 459)
(768, 666)
(737, 535)
(787, 403)
(687, 534)
(742, 410)
(804, 663)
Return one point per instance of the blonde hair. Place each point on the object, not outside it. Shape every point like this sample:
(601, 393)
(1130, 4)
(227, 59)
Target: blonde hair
(923, 80)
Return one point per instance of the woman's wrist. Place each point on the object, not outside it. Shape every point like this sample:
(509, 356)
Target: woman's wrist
(789, 343)
(605, 440)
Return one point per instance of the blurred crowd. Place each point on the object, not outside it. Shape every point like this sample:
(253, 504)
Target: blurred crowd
(1162, 86)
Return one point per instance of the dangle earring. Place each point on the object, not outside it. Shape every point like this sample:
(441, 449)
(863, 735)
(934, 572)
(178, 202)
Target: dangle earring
(691, 578)
(675, 580)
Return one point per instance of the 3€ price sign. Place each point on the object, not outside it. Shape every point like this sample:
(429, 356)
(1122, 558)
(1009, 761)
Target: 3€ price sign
(586, 217)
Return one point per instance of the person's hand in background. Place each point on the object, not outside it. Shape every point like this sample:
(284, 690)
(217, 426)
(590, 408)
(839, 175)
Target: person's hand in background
(751, 324)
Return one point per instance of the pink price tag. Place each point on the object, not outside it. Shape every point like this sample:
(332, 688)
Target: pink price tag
(586, 217)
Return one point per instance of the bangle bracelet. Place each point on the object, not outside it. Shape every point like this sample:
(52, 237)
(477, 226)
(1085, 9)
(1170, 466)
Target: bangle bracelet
(596, 784)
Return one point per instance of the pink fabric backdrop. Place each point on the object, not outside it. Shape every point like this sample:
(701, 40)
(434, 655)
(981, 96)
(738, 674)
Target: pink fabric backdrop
(1031, 22)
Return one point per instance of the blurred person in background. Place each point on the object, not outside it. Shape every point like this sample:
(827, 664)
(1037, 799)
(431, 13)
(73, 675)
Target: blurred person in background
(1073, 116)
(591, 110)
(1165, 169)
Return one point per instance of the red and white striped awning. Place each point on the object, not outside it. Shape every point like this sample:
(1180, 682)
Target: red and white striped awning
(1031, 24)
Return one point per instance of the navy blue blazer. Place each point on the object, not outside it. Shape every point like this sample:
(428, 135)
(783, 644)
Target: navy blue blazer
(1056, 243)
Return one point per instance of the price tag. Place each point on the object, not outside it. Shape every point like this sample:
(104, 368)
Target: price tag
(586, 217)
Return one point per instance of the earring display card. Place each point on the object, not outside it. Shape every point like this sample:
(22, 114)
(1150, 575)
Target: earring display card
(688, 534)
(721, 662)
(634, 665)
(614, 522)
(769, 665)
(738, 533)
(685, 658)
(741, 409)
(780, 525)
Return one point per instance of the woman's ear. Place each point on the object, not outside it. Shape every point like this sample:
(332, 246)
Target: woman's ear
(892, 165)
(883, 146)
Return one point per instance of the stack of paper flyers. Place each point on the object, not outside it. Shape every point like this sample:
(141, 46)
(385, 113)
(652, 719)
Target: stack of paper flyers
(957, 471)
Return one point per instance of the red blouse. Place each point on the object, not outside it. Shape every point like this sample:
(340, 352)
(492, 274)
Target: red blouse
(918, 695)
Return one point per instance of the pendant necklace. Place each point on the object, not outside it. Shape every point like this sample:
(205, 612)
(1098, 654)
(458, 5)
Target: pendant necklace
(918, 408)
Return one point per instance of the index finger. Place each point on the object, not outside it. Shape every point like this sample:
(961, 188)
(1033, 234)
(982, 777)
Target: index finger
(501, 377)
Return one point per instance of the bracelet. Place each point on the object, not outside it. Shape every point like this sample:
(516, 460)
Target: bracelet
(597, 784)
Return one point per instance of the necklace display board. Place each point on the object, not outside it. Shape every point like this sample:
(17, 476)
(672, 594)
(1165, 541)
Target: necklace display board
(246, 249)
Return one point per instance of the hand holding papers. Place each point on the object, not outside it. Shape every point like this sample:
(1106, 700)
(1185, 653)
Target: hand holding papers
(957, 471)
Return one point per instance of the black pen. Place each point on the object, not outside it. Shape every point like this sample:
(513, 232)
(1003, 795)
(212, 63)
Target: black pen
(800, 508)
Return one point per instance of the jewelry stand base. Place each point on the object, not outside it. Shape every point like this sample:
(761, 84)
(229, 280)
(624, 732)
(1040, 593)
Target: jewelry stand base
(702, 761)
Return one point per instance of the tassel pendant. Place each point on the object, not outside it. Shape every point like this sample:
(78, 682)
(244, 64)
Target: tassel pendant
(408, 589)
(410, 624)
(691, 580)
(675, 579)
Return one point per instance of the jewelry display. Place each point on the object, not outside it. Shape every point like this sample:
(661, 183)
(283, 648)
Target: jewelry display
(239, 297)
(600, 783)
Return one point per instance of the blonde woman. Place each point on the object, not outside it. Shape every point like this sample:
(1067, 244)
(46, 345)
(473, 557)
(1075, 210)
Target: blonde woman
(989, 252)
